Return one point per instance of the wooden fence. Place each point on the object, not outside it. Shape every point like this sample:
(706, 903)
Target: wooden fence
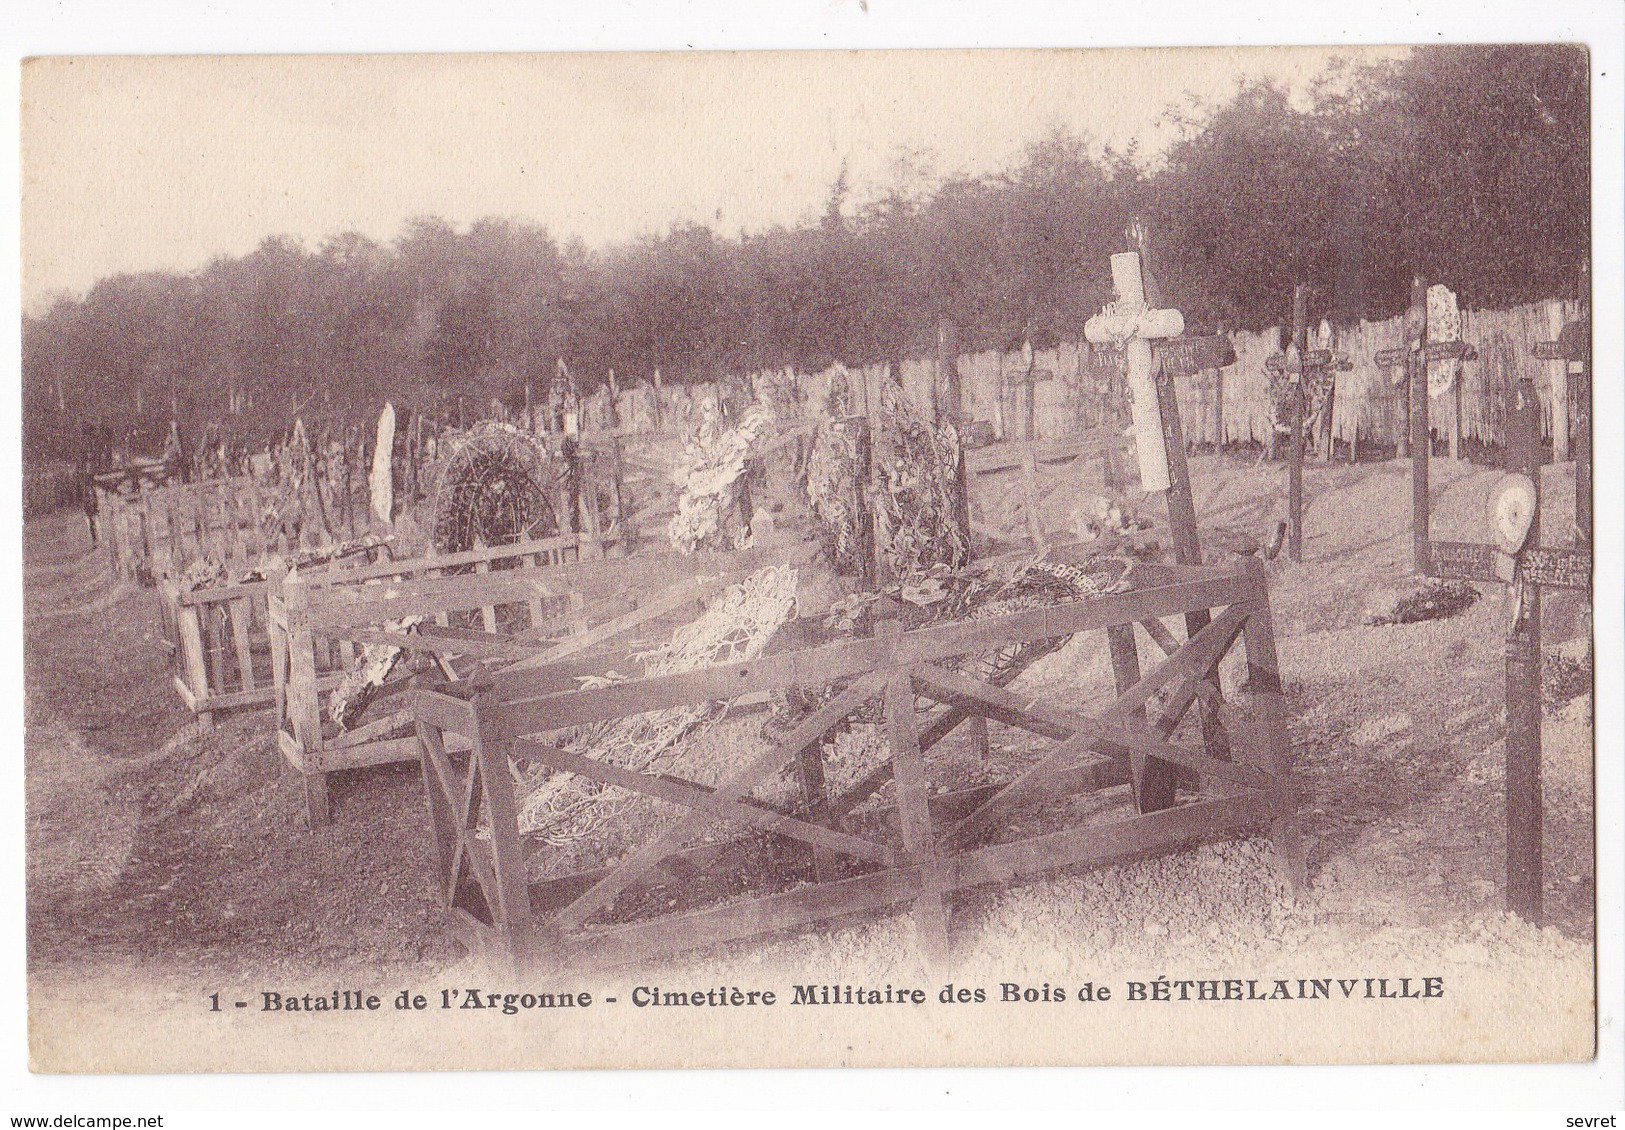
(539, 601)
(155, 528)
(1369, 405)
(218, 641)
(847, 856)
(1229, 406)
(233, 522)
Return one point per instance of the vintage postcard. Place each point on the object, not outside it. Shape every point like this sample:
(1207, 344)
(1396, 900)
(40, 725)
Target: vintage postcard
(948, 558)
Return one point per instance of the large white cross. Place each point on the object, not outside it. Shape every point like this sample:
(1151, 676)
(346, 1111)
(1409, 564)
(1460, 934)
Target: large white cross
(1132, 325)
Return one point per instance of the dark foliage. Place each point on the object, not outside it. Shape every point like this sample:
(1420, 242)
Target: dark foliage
(1437, 601)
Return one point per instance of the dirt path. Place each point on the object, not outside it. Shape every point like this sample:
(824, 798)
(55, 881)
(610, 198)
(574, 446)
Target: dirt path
(155, 844)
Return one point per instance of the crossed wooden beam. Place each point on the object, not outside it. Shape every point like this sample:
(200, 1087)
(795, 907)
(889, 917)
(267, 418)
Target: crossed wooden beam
(942, 843)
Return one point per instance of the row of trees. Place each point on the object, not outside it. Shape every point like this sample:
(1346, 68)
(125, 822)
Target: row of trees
(1466, 164)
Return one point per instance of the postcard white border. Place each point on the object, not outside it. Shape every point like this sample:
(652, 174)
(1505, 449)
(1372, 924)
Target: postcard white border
(151, 26)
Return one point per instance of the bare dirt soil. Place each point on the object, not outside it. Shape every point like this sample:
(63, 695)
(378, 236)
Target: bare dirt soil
(158, 846)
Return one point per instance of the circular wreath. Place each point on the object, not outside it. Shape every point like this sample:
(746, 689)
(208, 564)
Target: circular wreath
(498, 487)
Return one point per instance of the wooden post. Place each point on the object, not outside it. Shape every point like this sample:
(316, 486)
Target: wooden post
(815, 799)
(381, 482)
(1000, 432)
(1402, 442)
(1416, 331)
(1523, 792)
(304, 707)
(913, 801)
(276, 627)
(488, 756)
(950, 406)
(215, 638)
(1455, 416)
(1161, 776)
(625, 520)
(1300, 295)
(1029, 391)
(1181, 503)
(1029, 498)
(1557, 374)
(414, 454)
(591, 519)
(1327, 433)
(1263, 691)
(241, 613)
(488, 612)
(868, 547)
(197, 672)
(1153, 780)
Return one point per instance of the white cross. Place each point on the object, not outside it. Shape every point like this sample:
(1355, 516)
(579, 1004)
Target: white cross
(1131, 324)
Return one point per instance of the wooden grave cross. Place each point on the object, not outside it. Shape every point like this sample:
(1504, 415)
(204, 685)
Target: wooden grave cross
(1415, 355)
(1172, 357)
(1297, 361)
(1518, 559)
(1132, 325)
(1027, 379)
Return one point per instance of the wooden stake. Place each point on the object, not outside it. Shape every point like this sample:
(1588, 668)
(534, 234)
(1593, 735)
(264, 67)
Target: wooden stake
(1029, 498)
(1557, 373)
(868, 538)
(304, 708)
(913, 810)
(814, 797)
(1300, 296)
(197, 673)
(1523, 791)
(1187, 544)
(950, 407)
(1455, 416)
(1421, 439)
(1029, 392)
(1181, 503)
(1327, 434)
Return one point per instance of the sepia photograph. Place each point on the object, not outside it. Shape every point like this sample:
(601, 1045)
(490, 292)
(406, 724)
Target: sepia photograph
(935, 558)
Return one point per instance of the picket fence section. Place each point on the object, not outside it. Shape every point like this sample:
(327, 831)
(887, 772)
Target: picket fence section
(1229, 406)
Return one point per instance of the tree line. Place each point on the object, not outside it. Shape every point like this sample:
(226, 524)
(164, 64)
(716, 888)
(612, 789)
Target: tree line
(1468, 165)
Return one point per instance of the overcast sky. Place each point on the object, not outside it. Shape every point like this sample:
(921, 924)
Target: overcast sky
(135, 164)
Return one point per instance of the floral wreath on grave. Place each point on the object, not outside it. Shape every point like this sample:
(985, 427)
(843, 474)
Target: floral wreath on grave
(1315, 384)
(912, 497)
(498, 486)
(708, 475)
